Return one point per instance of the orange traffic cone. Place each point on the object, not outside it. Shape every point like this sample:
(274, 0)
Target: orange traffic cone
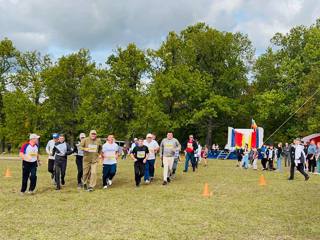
(262, 181)
(206, 192)
(8, 173)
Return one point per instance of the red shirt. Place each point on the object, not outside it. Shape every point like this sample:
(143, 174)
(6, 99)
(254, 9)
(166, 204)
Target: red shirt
(189, 148)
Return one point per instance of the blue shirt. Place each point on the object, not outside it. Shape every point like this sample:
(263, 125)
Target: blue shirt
(312, 149)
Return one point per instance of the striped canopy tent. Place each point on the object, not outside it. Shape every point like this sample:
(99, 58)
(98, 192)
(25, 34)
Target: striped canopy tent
(239, 137)
(315, 137)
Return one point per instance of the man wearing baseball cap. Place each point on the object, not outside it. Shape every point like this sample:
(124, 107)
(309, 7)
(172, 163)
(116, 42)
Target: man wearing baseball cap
(153, 147)
(91, 147)
(49, 148)
(79, 160)
(30, 157)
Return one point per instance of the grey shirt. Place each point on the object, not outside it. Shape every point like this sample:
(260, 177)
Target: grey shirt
(168, 147)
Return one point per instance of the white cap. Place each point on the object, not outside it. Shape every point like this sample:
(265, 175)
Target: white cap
(82, 135)
(135, 139)
(33, 136)
(149, 135)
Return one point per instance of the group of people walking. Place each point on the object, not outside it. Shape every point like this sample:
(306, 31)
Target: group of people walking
(305, 158)
(90, 150)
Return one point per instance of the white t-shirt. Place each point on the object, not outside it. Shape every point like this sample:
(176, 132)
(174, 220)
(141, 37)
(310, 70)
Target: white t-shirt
(49, 148)
(31, 152)
(109, 153)
(151, 146)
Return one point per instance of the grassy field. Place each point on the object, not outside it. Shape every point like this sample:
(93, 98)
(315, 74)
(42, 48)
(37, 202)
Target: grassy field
(238, 209)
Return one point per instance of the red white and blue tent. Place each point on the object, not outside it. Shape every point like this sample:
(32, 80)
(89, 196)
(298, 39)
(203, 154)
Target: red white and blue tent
(238, 137)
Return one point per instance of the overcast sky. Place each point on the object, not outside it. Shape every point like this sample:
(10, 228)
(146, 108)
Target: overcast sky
(59, 27)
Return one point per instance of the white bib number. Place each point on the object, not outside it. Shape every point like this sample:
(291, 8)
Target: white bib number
(141, 154)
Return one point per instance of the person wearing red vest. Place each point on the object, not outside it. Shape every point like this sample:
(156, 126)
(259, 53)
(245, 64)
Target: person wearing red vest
(190, 147)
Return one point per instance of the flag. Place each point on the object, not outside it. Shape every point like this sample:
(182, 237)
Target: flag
(253, 124)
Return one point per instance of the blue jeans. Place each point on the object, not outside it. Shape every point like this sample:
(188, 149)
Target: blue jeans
(245, 160)
(279, 160)
(189, 157)
(108, 172)
(149, 169)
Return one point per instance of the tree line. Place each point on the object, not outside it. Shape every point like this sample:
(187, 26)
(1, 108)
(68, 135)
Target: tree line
(200, 80)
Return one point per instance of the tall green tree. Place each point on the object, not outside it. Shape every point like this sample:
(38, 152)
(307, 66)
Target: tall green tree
(62, 89)
(128, 70)
(8, 55)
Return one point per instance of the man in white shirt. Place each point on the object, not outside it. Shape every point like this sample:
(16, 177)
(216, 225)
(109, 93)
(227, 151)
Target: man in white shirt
(49, 149)
(153, 147)
(298, 159)
(133, 145)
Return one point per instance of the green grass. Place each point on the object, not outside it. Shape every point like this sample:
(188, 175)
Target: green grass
(238, 209)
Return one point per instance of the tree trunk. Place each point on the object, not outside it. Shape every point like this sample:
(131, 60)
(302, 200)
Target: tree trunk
(209, 133)
(3, 144)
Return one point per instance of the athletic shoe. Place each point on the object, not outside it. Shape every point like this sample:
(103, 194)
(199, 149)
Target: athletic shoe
(63, 182)
(307, 178)
(80, 186)
(31, 192)
(90, 189)
(58, 188)
(137, 185)
(22, 193)
(109, 182)
(168, 179)
(147, 182)
(164, 183)
(105, 187)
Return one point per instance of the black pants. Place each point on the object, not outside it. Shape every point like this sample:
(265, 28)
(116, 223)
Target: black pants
(60, 170)
(29, 171)
(138, 171)
(264, 163)
(79, 162)
(196, 161)
(51, 167)
(311, 162)
(300, 168)
(270, 164)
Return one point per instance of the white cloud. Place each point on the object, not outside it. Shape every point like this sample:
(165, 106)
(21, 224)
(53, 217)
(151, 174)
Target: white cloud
(102, 25)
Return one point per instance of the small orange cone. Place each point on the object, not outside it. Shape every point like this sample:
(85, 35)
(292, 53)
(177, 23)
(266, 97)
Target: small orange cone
(262, 181)
(8, 173)
(206, 192)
